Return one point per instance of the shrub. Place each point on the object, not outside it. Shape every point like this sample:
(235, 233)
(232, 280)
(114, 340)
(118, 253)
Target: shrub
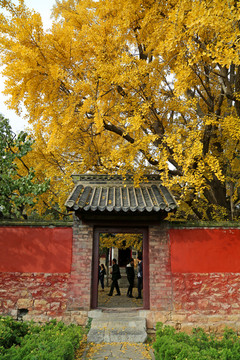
(11, 332)
(171, 344)
(52, 341)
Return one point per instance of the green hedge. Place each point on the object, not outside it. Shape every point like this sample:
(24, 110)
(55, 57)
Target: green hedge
(171, 344)
(29, 341)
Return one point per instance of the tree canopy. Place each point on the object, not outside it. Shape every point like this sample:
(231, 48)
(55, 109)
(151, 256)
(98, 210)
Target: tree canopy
(19, 188)
(133, 86)
(121, 241)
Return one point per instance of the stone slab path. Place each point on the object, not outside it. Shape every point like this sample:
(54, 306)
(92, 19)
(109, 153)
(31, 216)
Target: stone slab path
(105, 301)
(121, 351)
(118, 309)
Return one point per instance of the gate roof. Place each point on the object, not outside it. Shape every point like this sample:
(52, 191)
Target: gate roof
(113, 194)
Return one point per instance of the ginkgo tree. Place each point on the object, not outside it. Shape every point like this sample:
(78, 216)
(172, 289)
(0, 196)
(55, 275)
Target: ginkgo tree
(121, 241)
(133, 86)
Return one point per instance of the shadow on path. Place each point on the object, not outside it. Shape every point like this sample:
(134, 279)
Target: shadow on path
(105, 301)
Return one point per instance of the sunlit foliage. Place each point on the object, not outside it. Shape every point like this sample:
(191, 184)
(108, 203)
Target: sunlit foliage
(121, 241)
(133, 86)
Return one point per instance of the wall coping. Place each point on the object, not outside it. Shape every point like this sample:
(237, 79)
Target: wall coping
(50, 223)
(164, 224)
(201, 224)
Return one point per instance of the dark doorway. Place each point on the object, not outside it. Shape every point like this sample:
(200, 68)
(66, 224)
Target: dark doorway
(123, 257)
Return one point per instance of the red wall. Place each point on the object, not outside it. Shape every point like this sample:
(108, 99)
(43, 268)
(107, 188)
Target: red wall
(214, 293)
(36, 249)
(44, 295)
(205, 250)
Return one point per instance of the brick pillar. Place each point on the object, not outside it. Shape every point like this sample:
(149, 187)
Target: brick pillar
(81, 271)
(160, 277)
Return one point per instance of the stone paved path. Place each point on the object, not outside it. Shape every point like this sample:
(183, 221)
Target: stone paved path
(122, 301)
(121, 351)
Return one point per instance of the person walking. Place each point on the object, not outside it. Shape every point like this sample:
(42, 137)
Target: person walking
(130, 276)
(115, 277)
(140, 276)
(102, 272)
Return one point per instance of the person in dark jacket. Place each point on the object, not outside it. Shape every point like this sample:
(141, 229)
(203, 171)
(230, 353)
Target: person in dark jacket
(102, 272)
(115, 277)
(140, 276)
(130, 276)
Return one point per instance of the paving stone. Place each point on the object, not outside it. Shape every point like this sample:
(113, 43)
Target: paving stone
(105, 301)
(118, 327)
(121, 351)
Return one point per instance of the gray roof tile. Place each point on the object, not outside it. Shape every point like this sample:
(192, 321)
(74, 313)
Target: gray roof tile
(105, 193)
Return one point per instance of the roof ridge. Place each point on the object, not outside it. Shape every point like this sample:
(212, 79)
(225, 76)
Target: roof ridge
(105, 178)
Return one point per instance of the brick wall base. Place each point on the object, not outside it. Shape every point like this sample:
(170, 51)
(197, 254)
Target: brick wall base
(38, 297)
(186, 321)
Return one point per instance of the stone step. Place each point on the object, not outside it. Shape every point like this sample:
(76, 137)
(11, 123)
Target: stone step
(117, 327)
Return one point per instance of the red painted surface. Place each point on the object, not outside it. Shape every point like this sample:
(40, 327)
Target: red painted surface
(26, 250)
(44, 294)
(208, 293)
(205, 250)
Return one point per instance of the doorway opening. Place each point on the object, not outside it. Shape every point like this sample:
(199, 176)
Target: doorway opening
(124, 245)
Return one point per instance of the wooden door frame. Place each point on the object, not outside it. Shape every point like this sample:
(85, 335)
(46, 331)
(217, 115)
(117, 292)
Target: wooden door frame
(95, 260)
